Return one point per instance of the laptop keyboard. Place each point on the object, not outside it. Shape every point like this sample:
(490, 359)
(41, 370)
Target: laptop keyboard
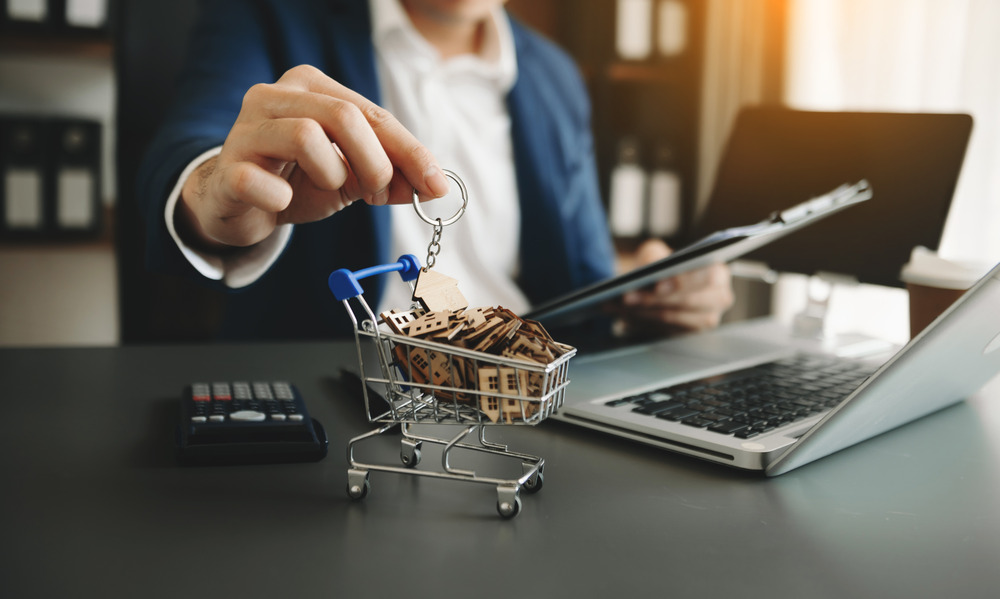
(748, 402)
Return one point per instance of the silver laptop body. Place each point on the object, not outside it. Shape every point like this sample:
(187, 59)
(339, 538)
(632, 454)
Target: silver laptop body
(951, 359)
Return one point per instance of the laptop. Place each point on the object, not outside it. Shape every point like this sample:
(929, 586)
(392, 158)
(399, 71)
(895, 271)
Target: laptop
(751, 395)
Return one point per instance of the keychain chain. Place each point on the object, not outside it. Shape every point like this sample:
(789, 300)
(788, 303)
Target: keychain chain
(434, 248)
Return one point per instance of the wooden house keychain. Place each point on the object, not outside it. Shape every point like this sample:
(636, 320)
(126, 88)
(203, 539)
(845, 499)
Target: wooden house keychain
(434, 291)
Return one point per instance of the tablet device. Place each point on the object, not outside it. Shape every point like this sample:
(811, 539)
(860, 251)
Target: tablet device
(719, 247)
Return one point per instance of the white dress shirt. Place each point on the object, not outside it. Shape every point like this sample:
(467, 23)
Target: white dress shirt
(457, 108)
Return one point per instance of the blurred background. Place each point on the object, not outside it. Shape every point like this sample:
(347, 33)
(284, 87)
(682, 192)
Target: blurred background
(666, 77)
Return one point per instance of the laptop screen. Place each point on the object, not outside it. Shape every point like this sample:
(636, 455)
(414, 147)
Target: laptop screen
(777, 157)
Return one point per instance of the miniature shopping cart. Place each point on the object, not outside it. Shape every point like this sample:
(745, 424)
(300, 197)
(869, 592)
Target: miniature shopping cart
(431, 382)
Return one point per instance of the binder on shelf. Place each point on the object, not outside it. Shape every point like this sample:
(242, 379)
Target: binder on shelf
(55, 17)
(86, 14)
(26, 11)
(25, 188)
(26, 15)
(633, 29)
(51, 170)
(76, 151)
(671, 28)
(644, 202)
(665, 199)
(627, 197)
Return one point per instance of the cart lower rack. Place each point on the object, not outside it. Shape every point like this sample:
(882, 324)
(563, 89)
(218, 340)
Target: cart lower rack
(424, 381)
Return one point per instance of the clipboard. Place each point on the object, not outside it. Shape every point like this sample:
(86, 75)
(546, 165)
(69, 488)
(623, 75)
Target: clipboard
(719, 247)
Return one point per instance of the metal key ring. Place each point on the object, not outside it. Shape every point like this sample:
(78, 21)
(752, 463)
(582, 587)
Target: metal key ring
(453, 219)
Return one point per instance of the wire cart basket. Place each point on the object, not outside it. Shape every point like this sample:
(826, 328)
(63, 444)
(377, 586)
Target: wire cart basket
(457, 386)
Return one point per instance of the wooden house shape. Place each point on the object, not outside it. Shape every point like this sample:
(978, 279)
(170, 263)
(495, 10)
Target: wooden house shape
(446, 371)
(437, 368)
(507, 381)
(415, 361)
(457, 323)
(398, 320)
(476, 317)
(435, 292)
(428, 323)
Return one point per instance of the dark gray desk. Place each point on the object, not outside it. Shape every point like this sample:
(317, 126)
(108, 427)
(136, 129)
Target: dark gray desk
(92, 505)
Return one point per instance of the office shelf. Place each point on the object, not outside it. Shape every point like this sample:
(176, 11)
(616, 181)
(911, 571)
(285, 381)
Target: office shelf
(103, 238)
(90, 45)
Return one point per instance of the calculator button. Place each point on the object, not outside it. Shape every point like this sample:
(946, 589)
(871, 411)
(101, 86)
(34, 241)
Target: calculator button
(221, 392)
(295, 417)
(283, 391)
(241, 391)
(200, 392)
(217, 418)
(279, 417)
(247, 416)
(198, 419)
(262, 391)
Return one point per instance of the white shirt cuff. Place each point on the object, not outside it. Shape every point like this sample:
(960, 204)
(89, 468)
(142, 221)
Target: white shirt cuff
(235, 269)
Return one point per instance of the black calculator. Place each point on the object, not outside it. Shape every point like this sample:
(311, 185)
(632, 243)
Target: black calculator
(246, 422)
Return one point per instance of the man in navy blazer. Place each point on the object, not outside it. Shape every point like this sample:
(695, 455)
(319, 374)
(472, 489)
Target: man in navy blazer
(236, 202)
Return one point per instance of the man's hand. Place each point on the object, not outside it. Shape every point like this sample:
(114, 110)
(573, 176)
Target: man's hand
(300, 150)
(691, 301)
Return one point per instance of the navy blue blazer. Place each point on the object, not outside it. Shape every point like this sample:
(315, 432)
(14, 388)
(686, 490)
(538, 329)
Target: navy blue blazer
(565, 242)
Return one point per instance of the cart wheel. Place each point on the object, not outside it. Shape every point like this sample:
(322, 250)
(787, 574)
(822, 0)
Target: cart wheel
(509, 509)
(537, 478)
(358, 484)
(409, 452)
(508, 501)
(534, 484)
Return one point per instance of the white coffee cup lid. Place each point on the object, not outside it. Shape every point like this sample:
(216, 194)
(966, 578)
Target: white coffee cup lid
(928, 268)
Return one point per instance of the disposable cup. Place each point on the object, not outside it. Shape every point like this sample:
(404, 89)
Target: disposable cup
(934, 283)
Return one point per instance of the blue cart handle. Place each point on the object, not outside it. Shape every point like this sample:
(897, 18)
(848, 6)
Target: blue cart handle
(344, 283)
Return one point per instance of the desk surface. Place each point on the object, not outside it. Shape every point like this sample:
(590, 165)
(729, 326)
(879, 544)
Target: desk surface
(92, 501)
